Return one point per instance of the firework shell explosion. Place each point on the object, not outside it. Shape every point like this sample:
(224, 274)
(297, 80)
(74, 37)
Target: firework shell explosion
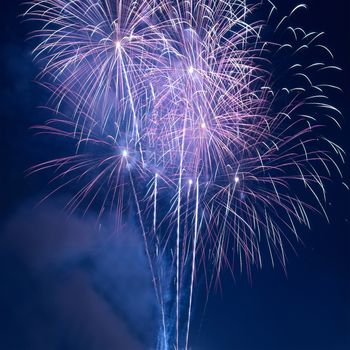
(200, 116)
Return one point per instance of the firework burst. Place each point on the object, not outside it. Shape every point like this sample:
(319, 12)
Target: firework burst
(194, 108)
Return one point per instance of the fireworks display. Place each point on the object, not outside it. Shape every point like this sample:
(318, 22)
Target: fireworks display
(205, 117)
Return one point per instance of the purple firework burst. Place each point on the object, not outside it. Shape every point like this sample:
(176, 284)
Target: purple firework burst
(201, 116)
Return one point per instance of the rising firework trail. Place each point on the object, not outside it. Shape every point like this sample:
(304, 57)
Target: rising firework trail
(207, 117)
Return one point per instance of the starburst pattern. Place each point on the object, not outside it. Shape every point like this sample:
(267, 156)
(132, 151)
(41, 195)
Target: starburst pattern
(194, 108)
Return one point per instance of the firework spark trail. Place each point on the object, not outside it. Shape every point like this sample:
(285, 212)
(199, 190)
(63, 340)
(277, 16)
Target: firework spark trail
(144, 234)
(179, 194)
(174, 93)
(193, 268)
(162, 307)
(135, 124)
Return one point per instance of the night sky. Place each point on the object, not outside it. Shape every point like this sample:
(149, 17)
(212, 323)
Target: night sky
(67, 284)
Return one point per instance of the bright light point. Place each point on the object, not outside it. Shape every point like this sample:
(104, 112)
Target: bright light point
(203, 126)
(156, 175)
(190, 182)
(236, 179)
(118, 44)
(190, 70)
(125, 153)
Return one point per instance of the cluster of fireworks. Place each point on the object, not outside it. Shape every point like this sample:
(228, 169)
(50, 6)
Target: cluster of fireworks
(190, 112)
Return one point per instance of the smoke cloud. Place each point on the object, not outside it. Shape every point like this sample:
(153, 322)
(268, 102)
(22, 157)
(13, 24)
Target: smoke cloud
(67, 283)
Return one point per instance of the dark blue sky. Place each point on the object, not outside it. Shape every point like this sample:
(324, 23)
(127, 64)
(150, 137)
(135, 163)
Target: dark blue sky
(61, 286)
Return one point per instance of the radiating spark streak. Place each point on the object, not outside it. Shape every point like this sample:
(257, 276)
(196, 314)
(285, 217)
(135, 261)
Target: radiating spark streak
(303, 6)
(135, 125)
(162, 310)
(178, 234)
(144, 234)
(194, 253)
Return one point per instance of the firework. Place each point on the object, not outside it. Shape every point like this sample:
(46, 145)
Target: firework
(191, 107)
